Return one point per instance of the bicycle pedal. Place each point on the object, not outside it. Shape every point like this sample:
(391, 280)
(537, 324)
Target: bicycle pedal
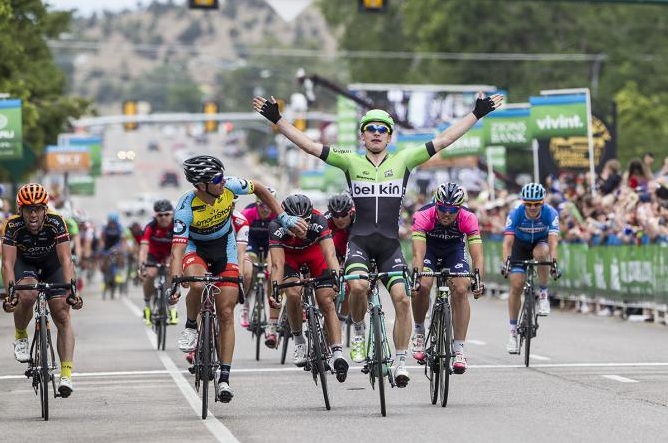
(192, 369)
(28, 372)
(365, 369)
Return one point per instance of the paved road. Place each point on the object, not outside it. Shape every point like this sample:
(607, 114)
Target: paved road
(593, 379)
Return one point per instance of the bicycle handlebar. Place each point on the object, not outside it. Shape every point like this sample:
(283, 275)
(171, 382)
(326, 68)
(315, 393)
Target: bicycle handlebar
(47, 288)
(176, 281)
(310, 281)
(445, 272)
(554, 269)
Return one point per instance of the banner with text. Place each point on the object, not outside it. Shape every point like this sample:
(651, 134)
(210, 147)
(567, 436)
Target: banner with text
(67, 159)
(558, 116)
(11, 130)
(94, 144)
(507, 127)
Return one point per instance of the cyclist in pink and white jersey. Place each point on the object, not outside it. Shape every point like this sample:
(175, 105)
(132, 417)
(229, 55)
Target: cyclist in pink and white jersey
(441, 232)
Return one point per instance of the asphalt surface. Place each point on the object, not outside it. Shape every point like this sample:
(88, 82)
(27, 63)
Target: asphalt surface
(591, 378)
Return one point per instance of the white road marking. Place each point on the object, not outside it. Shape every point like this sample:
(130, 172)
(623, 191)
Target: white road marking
(620, 379)
(219, 431)
(539, 357)
(477, 342)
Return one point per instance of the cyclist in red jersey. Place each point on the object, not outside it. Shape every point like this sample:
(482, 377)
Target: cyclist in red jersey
(314, 249)
(340, 217)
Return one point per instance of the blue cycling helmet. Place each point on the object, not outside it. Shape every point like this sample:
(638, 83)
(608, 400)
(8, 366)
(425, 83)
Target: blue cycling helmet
(532, 192)
(113, 217)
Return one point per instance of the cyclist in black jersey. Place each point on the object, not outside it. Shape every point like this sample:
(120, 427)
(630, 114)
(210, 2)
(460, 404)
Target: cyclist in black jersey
(36, 248)
(377, 182)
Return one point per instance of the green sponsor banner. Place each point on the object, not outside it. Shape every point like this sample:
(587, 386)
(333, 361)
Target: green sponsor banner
(496, 156)
(312, 180)
(558, 116)
(507, 127)
(346, 121)
(81, 185)
(11, 130)
(633, 274)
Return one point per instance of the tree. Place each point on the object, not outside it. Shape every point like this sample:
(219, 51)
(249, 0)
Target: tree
(28, 72)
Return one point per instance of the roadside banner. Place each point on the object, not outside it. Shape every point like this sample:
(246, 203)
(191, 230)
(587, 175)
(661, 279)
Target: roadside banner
(346, 121)
(11, 130)
(507, 127)
(558, 116)
(471, 143)
(67, 159)
(94, 144)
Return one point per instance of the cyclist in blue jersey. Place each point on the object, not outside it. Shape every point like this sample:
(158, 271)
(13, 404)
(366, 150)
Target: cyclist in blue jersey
(377, 181)
(532, 231)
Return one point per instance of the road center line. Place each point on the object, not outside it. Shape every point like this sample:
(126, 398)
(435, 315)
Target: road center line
(620, 378)
(539, 357)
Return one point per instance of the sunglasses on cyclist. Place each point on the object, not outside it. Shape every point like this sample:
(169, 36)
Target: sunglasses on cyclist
(533, 204)
(33, 208)
(381, 129)
(163, 214)
(218, 179)
(448, 209)
(339, 214)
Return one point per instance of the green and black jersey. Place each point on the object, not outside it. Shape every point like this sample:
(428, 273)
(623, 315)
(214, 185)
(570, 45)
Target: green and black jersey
(377, 190)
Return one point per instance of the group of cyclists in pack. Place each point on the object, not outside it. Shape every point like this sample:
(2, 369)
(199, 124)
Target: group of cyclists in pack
(205, 234)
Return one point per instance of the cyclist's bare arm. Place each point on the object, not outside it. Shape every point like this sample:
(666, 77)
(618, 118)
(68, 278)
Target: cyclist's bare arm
(552, 243)
(293, 134)
(8, 261)
(329, 251)
(63, 250)
(507, 247)
(461, 126)
(477, 258)
(419, 251)
(241, 253)
(176, 259)
(277, 263)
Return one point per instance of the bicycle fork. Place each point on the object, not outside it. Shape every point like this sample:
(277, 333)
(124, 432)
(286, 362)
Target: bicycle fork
(376, 311)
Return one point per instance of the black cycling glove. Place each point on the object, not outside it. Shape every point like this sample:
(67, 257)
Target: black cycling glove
(270, 112)
(483, 106)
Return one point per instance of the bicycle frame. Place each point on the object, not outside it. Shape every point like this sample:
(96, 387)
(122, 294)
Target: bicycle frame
(258, 321)
(159, 314)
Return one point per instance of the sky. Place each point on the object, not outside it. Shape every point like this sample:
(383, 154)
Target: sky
(87, 7)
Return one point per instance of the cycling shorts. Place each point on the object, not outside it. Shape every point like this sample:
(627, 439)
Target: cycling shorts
(219, 267)
(385, 251)
(47, 271)
(453, 258)
(523, 251)
(315, 261)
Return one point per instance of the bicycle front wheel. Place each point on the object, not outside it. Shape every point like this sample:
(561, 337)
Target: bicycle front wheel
(161, 326)
(378, 356)
(204, 348)
(445, 354)
(317, 354)
(528, 328)
(42, 366)
(433, 361)
(259, 316)
(285, 334)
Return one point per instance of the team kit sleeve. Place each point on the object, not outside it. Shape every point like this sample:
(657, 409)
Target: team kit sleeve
(277, 234)
(183, 217)
(420, 225)
(510, 221)
(553, 222)
(470, 226)
(417, 156)
(337, 157)
(59, 228)
(239, 186)
(323, 227)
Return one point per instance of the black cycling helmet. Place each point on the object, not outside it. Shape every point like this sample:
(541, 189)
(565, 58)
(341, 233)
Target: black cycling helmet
(163, 205)
(340, 203)
(202, 168)
(298, 205)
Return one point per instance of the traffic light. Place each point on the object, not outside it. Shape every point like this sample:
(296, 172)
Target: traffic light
(203, 4)
(210, 108)
(281, 107)
(373, 5)
(130, 108)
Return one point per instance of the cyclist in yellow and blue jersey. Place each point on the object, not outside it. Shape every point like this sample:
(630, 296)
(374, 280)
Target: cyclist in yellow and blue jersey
(204, 241)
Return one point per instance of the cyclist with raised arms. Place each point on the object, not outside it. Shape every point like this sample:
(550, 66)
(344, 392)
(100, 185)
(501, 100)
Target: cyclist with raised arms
(377, 182)
(36, 248)
(204, 241)
(315, 249)
(532, 231)
(442, 231)
(155, 247)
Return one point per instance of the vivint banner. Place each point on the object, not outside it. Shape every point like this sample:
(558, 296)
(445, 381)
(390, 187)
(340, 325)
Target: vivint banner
(11, 132)
(558, 116)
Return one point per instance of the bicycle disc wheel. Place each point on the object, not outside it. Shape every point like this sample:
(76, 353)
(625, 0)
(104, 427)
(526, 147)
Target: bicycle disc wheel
(205, 361)
(162, 319)
(433, 362)
(43, 367)
(317, 341)
(378, 357)
(445, 354)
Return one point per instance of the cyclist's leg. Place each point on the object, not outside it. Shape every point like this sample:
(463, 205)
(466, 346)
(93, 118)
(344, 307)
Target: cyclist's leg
(225, 303)
(357, 262)
(250, 258)
(541, 252)
(420, 305)
(271, 337)
(193, 265)
(520, 251)
(25, 274)
(148, 289)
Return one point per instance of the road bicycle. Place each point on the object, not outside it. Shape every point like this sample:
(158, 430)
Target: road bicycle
(283, 332)
(42, 361)
(113, 277)
(160, 308)
(344, 318)
(527, 324)
(379, 354)
(258, 320)
(205, 361)
(318, 351)
(438, 351)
